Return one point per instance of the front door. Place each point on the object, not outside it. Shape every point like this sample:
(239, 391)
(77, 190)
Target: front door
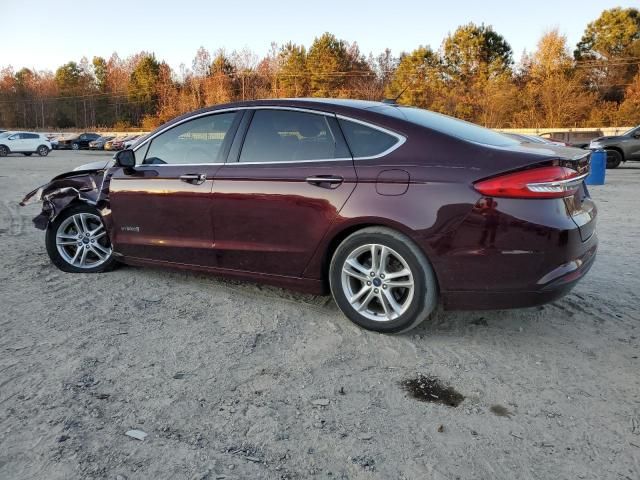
(275, 202)
(162, 210)
(16, 142)
(633, 147)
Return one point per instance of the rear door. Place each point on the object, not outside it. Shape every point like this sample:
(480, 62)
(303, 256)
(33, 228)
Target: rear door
(163, 210)
(31, 142)
(280, 190)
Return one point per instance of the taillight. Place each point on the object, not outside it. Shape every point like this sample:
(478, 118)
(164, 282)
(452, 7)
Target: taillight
(541, 182)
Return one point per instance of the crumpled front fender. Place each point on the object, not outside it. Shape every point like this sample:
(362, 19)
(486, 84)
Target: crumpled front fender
(90, 187)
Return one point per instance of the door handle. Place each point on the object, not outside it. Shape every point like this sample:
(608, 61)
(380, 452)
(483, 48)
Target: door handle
(194, 178)
(318, 180)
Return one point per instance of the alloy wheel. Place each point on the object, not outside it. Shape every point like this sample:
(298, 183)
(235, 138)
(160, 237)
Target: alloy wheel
(82, 241)
(377, 282)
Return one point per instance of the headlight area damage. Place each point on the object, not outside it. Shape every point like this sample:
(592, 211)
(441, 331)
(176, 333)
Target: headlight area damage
(87, 186)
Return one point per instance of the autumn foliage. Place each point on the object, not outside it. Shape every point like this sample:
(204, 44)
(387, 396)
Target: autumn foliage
(472, 76)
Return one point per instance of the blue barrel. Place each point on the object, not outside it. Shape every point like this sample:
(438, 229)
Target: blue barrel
(598, 168)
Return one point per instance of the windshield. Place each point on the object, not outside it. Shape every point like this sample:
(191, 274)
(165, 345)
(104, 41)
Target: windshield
(5, 134)
(457, 128)
(629, 132)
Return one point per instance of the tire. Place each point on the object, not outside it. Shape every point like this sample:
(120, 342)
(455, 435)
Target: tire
(75, 146)
(70, 224)
(27, 154)
(614, 159)
(416, 302)
(4, 151)
(43, 150)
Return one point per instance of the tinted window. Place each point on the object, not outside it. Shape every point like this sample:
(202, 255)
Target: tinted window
(456, 128)
(366, 141)
(289, 136)
(30, 135)
(196, 141)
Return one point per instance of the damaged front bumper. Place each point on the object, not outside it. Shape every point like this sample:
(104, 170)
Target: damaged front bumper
(90, 187)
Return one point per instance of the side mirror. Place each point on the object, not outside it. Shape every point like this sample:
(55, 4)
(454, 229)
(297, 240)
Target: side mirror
(126, 159)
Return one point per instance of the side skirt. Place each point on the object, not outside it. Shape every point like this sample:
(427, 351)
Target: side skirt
(306, 285)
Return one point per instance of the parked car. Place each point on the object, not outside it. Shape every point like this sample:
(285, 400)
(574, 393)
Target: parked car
(573, 139)
(77, 142)
(108, 145)
(98, 143)
(26, 143)
(55, 139)
(619, 148)
(390, 208)
(131, 141)
(119, 143)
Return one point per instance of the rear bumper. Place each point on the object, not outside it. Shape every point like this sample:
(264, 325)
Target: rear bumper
(561, 281)
(520, 254)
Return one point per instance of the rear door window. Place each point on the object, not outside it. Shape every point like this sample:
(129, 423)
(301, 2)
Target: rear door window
(366, 141)
(292, 136)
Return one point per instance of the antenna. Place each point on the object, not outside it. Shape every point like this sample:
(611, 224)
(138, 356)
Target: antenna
(394, 100)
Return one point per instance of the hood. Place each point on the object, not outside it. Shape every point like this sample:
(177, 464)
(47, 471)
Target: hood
(604, 139)
(94, 166)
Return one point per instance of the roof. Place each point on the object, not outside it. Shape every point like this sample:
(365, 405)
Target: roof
(344, 102)
(362, 108)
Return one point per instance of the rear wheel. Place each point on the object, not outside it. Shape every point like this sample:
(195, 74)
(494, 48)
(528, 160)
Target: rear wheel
(4, 151)
(77, 241)
(614, 159)
(43, 151)
(382, 281)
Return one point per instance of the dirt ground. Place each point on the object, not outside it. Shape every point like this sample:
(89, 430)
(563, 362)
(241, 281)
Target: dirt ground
(236, 381)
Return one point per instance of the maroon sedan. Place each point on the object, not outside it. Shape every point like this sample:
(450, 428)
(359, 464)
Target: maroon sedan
(393, 209)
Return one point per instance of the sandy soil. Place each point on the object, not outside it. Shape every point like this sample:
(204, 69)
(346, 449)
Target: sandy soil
(233, 380)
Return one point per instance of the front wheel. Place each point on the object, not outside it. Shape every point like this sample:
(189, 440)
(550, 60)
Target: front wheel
(4, 151)
(75, 146)
(614, 159)
(77, 241)
(382, 281)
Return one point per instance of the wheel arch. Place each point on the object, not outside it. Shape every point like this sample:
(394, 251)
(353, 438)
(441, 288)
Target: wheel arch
(616, 149)
(337, 236)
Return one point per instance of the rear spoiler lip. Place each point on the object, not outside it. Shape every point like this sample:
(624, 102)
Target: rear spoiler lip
(580, 156)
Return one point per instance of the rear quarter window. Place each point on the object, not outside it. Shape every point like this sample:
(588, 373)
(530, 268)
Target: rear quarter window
(366, 141)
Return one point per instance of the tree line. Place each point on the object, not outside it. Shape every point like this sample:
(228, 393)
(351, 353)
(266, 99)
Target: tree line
(473, 76)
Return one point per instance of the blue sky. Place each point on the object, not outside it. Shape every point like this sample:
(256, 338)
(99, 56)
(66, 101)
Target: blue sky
(56, 32)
